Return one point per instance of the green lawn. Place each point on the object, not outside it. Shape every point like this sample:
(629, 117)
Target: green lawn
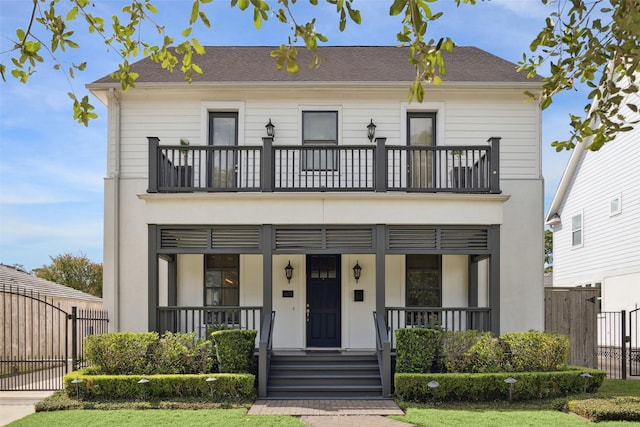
(532, 413)
(154, 418)
(502, 417)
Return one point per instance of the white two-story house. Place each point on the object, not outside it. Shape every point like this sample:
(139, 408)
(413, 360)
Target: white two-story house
(595, 216)
(323, 208)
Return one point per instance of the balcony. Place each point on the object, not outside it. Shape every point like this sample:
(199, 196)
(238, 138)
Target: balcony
(362, 168)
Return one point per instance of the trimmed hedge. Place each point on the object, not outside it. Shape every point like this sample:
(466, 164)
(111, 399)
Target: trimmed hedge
(536, 351)
(227, 387)
(131, 353)
(615, 409)
(120, 353)
(235, 350)
(416, 349)
(491, 386)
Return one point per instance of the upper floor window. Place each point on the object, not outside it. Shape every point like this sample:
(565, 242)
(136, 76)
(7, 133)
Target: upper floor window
(576, 230)
(615, 206)
(320, 128)
(221, 280)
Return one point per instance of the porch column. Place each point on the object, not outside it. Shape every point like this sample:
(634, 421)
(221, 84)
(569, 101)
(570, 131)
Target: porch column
(494, 278)
(472, 290)
(172, 297)
(152, 291)
(380, 269)
(381, 246)
(267, 307)
(267, 270)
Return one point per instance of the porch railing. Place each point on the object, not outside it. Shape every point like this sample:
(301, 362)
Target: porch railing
(264, 352)
(450, 319)
(383, 351)
(268, 168)
(204, 320)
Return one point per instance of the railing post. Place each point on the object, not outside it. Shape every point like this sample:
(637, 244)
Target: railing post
(154, 142)
(267, 164)
(74, 337)
(623, 327)
(380, 184)
(494, 164)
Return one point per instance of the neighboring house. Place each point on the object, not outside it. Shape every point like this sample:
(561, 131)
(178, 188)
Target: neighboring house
(28, 307)
(432, 217)
(595, 216)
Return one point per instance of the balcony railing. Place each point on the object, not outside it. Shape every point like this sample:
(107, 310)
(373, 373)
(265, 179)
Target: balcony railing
(268, 168)
(204, 320)
(450, 319)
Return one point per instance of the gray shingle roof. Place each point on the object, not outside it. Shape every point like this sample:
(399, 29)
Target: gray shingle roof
(13, 278)
(343, 64)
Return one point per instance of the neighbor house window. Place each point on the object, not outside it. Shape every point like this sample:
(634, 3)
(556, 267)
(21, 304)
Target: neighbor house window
(320, 129)
(615, 207)
(221, 280)
(576, 230)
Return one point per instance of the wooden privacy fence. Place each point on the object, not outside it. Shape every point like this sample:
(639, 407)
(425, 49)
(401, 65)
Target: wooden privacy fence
(574, 312)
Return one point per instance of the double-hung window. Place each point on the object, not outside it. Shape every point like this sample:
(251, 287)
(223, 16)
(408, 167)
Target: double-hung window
(576, 230)
(423, 288)
(221, 282)
(319, 132)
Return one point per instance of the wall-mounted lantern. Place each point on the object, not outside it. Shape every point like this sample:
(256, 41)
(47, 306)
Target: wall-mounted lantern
(270, 129)
(288, 272)
(357, 270)
(371, 130)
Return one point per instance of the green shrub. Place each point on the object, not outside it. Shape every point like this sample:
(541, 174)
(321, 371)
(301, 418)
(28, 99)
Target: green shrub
(491, 386)
(455, 345)
(121, 352)
(181, 353)
(227, 387)
(536, 351)
(235, 350)
(416, 349)
(625, 408)
(487, 354)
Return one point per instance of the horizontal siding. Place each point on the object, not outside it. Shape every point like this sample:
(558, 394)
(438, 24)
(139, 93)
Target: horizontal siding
(611, 243)
(469, 120)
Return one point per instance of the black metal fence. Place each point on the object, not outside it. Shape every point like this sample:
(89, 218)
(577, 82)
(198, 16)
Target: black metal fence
(41, 340)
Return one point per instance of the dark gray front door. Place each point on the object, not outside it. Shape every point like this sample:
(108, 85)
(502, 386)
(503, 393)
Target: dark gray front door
(323, 301)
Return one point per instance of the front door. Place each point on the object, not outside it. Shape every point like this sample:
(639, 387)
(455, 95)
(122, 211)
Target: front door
(323, 301)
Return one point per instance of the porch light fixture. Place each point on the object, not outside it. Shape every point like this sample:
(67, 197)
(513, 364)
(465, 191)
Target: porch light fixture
(371, 130)
(356, 271)
(270, 129)
(288, 271)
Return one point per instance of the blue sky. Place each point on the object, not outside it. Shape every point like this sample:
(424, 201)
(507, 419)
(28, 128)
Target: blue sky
(52, 169)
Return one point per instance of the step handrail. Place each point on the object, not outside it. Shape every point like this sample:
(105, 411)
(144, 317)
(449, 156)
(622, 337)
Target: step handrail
(264, 352)
(383, 351)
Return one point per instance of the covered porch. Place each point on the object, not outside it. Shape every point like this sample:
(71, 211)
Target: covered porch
(320, 304)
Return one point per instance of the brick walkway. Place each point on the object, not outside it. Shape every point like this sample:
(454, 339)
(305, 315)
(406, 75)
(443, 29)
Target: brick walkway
(333, 413)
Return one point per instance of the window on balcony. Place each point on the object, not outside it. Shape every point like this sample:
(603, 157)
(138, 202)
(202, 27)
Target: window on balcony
(319, 130)
(222, 162)
(421, 132)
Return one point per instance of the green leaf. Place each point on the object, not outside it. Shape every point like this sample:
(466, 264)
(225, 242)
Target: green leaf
(243, 4)
(71, 15)
(397, 7)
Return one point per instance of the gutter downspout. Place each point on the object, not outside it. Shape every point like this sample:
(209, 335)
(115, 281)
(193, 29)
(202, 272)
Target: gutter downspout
(116, 211)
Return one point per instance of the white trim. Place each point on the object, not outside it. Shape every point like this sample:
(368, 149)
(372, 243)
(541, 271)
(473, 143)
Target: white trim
(426, 107)
(233, 106)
